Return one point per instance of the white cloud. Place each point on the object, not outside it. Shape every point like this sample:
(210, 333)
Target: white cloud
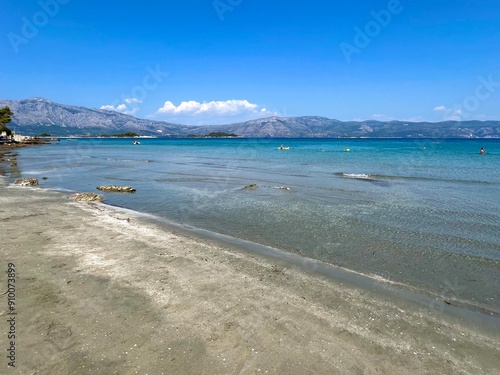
(132, 100)
(213, 112)
(217, 108)
(440, 108)
(129, 107)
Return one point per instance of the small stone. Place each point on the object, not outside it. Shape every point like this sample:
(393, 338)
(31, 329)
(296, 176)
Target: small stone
(251, 187)
(26, 181)
(87, 197)
(117, 189)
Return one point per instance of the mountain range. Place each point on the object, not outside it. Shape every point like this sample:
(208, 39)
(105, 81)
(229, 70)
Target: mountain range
(35, 116)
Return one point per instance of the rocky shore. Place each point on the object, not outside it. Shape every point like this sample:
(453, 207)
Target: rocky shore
(27, 141)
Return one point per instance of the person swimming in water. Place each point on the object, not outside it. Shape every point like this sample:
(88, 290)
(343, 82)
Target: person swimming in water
(482, 151)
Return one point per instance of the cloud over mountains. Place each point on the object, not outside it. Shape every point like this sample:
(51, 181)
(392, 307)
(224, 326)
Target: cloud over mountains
(130, 107)
(215, 107)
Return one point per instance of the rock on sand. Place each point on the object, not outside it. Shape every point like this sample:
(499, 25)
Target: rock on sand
(26, 182)
(87, 197)
(118, 189)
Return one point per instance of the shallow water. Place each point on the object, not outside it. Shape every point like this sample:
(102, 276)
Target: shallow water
(425, 213)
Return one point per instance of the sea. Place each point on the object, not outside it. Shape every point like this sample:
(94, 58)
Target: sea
(420, 213)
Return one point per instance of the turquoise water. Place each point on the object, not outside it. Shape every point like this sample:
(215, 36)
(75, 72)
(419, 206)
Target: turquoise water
(425, 213)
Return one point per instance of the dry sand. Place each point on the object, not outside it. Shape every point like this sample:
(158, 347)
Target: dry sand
(99, 294)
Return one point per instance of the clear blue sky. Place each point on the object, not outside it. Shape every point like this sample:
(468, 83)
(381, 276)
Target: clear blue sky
(206, 61)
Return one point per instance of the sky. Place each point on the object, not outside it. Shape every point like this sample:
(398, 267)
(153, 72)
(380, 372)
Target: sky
(223, 61)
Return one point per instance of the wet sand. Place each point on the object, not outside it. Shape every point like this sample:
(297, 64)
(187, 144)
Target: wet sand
(103, 291)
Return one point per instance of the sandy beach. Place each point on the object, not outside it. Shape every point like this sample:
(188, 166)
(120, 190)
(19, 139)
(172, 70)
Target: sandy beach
(100, 290)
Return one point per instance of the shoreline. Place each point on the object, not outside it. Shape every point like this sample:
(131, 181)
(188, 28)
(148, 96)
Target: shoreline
(317, 268)
(458, 308)
(118, 295)
(26, 143)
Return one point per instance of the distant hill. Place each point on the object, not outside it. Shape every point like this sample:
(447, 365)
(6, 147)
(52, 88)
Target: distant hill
(313, 126)
(38, 115)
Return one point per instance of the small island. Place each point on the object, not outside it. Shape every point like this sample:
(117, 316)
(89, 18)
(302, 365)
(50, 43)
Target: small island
(213, 135)
(121, 135)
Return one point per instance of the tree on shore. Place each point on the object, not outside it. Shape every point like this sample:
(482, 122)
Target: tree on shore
(5, 118)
